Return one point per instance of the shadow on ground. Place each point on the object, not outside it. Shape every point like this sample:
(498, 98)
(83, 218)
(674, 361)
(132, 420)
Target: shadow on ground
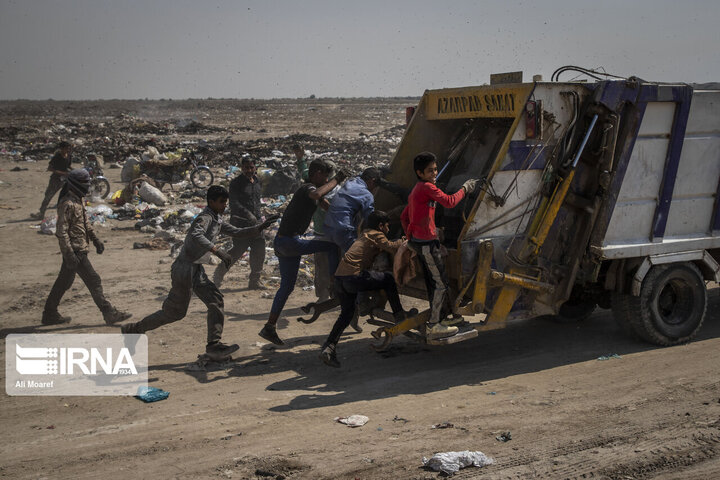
(409, 368)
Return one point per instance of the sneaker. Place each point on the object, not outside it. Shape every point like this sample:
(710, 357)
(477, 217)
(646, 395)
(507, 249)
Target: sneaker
(36, 216)
(256, 285)
(54, 319)
(329, 357)
(114, 316)
(218, 350)
(269, 333)
(440, 331)
(453, 320)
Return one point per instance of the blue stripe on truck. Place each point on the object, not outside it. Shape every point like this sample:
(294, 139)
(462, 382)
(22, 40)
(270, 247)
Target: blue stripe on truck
(627, 98)
(682, 96)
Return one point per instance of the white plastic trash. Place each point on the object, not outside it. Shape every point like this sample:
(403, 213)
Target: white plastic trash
(100, 210)
(353, 420)
(451, 462)
(151, 194)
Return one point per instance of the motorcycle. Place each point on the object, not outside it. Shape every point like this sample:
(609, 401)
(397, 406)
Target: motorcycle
(99, 185)
(177, 171)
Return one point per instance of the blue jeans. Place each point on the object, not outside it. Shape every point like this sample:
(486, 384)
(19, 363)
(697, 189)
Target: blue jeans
(289, 250)
(343, 238)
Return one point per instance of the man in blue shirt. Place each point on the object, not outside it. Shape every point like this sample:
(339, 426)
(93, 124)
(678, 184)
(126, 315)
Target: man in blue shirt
(354, 199)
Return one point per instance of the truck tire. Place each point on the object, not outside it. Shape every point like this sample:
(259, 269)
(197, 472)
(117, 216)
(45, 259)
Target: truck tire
(671, 307)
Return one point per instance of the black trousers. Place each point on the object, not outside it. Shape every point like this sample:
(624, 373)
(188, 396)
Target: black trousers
(188, 278)
(54, 185)
(347, 289)
(65, 279)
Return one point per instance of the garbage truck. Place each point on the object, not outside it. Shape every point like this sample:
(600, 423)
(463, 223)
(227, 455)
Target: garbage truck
(601, 193)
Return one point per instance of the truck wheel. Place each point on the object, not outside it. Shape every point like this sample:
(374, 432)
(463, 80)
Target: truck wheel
(574, 311)
(672, 303)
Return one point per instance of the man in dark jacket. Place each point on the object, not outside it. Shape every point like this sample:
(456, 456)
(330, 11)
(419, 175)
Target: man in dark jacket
(245, 192)
(59, 166)
(75, 234)
(188, 275)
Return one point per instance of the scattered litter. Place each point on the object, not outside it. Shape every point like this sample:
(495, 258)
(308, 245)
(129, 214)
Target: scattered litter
(99, 210)
(451, 462)
(18, 169)
(353, 420)
(504, 437)
(153, 244)
(151, 394)
(400, 419)
(48, 226)
(608, 356)
(443, 425)
(491, 393)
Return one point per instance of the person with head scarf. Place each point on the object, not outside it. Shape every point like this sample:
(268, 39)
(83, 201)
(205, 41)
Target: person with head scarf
(75, 234)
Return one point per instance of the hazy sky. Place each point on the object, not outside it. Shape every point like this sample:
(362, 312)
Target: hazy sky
(89, 49)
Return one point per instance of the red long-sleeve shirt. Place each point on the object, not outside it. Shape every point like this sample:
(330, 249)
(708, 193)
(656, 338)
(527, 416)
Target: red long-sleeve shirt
(418, 218)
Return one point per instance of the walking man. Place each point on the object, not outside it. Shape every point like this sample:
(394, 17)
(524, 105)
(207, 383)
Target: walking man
(74, 234)
(245, 193)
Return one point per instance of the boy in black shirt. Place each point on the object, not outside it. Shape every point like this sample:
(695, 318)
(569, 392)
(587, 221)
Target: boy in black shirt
(290, 247)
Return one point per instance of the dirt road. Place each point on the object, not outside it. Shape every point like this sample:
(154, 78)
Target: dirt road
(652, 413)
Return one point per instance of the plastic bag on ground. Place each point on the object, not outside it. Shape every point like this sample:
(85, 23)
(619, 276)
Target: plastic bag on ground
(48, 225)
(100, 210)
(353, 420)
(451, 462)
(151, 194)
(151, 394)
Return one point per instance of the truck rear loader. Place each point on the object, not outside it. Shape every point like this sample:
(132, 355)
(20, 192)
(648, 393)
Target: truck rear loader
(601, 193)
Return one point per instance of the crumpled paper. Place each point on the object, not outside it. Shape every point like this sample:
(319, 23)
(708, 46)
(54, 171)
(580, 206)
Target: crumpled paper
(353, 420)
(451, 462)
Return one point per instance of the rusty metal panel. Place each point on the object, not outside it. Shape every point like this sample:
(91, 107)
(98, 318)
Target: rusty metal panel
(476, 102)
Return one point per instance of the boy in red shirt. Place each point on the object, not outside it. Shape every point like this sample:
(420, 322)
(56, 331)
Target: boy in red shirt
(418, 221)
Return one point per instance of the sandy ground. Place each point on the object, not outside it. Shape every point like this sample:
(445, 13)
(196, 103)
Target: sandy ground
(653, 413)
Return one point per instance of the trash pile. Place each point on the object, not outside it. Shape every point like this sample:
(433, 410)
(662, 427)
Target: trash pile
(164, 210)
